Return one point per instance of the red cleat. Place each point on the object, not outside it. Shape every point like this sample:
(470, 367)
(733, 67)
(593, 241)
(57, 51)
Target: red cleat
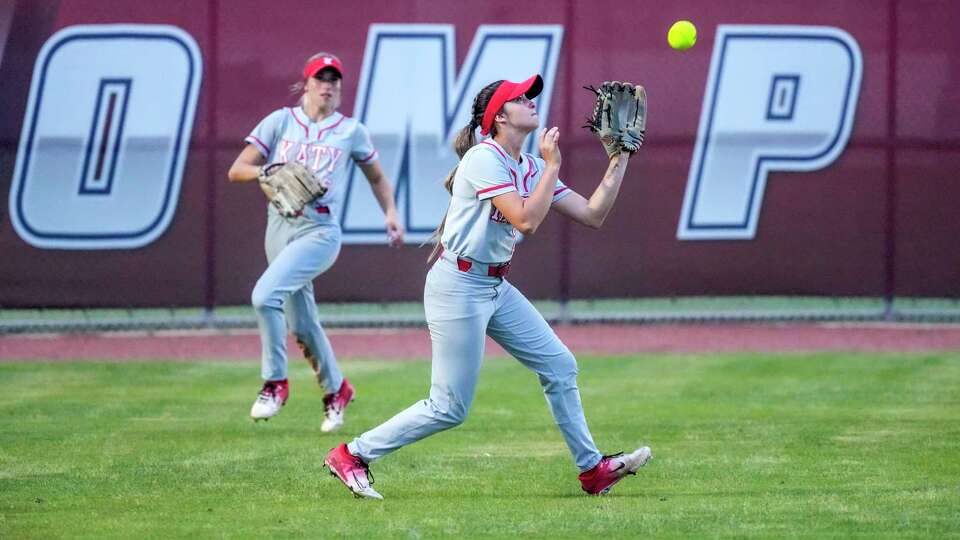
(352, 471)
(611, 469)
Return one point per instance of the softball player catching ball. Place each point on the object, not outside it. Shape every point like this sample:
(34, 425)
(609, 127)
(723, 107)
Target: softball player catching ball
(496, 191)
(301, 247)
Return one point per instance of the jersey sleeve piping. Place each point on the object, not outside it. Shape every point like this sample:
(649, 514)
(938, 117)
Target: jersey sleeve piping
(373, 155)
(261, 147)
(493, 191)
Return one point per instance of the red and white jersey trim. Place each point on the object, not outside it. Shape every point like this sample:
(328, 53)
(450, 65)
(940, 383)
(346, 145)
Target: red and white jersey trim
(373, 155)
(263, 148)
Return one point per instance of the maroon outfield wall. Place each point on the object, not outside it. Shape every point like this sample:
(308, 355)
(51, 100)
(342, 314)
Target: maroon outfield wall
(879, 221)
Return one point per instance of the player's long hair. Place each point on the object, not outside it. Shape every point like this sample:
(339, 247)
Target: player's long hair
(465, 140)
(298, 87)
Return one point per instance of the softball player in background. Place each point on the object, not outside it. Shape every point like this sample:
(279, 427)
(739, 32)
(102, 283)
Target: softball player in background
(495, 192)
(302, 247)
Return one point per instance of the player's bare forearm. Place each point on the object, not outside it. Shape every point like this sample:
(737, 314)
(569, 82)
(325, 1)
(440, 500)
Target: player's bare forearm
(601, 202)
(247, 165)
(383, 191)
(526, 215)
(538, 204)
(593, 212)
(381, 186)
(243, 172)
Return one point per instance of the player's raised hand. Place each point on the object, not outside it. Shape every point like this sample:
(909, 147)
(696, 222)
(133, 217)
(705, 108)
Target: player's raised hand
(550, 145)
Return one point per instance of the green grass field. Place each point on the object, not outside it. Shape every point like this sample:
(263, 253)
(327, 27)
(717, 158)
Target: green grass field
(825, 445)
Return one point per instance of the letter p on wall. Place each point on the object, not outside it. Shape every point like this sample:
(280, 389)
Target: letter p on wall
(778, 98)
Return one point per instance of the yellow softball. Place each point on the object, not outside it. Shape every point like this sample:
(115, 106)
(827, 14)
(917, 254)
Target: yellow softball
(682, 35)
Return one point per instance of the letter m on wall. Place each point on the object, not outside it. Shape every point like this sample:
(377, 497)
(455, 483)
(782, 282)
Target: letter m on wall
(413, 102)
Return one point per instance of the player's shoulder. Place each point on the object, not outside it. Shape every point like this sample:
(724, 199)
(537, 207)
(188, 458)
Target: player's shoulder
(348, 126)
(348, 122)
(485, 151)
(280, 114)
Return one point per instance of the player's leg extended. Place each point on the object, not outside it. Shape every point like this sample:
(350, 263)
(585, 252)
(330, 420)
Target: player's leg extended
(305, 324)
(457, 308)
(338, 392)
(290, 269)
(269, 311)
(520, 329)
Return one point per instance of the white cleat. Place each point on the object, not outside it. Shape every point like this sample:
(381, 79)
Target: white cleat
(332, 421)
(265, 408)
(272, 396)
(636, 459)
(334, 406)
(612, 469)
(366, 493)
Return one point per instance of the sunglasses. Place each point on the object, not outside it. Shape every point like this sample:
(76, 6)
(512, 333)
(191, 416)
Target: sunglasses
(327, 75)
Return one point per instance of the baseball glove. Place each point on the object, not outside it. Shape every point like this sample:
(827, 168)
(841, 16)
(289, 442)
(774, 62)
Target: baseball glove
(290, 186)
(619, 116)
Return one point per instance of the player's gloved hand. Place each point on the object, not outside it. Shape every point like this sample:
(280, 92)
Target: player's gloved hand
(619, 117)
(290, 186)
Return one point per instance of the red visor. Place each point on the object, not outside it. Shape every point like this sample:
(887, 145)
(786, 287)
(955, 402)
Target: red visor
(322, 62)
(507, 91)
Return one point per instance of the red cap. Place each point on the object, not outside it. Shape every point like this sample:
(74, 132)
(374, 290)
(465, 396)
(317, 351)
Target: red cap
(507, 91)
(322, 62)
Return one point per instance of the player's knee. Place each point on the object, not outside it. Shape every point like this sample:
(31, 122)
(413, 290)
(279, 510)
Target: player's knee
(565, 365)
(458, 413)
(454, 415)
(261, 298)
(450, 412)
(563, 373)
(258, 299)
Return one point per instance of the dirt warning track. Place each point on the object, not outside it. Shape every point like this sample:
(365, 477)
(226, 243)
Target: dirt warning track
(414, 343)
